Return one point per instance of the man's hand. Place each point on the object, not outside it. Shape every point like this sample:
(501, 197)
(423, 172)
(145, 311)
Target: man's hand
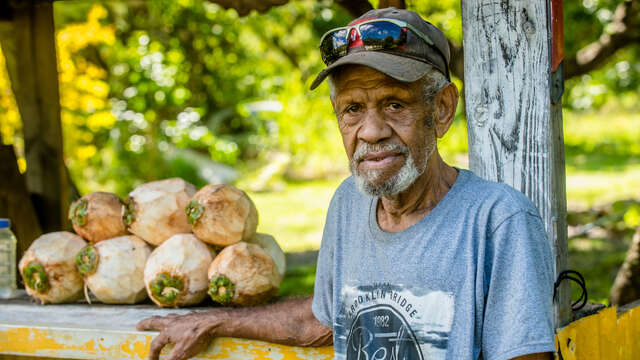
(190, 333)
(288, 322)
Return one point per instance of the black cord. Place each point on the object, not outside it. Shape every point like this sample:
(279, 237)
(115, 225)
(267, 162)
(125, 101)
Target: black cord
(567, 275)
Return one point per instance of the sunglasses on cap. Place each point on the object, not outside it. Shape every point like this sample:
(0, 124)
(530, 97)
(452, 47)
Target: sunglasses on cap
(376, 34)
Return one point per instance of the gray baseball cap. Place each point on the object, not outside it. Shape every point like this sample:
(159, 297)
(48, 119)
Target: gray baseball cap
(406, 63)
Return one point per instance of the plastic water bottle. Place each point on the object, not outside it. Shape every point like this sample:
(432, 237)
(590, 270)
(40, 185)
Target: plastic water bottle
(8, 245)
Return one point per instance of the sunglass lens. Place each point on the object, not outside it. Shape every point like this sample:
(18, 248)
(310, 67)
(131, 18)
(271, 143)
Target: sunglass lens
(382, 35)
(333, 46)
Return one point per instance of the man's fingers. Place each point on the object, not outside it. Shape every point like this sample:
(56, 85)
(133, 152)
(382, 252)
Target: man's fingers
(153, 323)
(187, 349)
(156, 346)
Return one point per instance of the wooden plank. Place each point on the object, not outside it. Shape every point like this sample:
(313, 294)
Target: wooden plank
(514, 131)
(28, 45)
(602, 336)
(82, 331)
(82, 343)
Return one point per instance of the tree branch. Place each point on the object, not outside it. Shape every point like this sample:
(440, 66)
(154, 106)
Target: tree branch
(456, 64)
(355, 7)
(626, 31)
(398, 4)
(244, 7)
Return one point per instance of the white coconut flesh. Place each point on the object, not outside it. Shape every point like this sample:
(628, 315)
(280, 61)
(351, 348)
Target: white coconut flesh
(155, 211)
(176, 271)
(97, 216)
(270, 245)
(115, 274)
(243, 274)
(222, 215)
(48, 268)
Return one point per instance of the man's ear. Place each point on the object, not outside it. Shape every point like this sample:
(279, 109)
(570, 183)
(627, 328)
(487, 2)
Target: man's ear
(446, 104)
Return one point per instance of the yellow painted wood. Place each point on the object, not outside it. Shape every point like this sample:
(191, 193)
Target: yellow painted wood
(100, 344)
(603, 336)
(629, 339)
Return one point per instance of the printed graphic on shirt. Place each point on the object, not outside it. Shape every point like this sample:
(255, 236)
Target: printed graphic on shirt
(393, 322)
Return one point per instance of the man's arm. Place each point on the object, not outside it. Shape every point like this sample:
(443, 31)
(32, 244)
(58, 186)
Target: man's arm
(289, 322)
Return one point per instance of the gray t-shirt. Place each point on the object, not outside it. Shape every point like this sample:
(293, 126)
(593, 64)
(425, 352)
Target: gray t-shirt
(472, 279)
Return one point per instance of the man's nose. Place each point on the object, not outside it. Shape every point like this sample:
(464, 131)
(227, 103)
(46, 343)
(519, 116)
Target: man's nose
(374, 127)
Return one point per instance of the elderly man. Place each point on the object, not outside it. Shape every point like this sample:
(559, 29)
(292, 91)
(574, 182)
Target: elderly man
(419, 260)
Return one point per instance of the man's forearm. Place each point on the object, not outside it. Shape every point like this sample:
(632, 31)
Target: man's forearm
(288, 322)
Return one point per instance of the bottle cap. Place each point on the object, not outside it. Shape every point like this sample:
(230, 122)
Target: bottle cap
(4, 223)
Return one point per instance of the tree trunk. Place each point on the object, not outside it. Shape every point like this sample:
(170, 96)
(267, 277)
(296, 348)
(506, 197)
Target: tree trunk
(626, 287)
(28, 44)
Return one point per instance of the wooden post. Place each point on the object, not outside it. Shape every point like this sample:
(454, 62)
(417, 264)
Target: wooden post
(514, 126)
(15, 202)
(28, 43)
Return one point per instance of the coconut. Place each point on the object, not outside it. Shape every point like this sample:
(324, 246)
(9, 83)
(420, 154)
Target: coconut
(243, 274)
(222, 215)
(155, 211)
(270, 245)
(48, 268)
(97, 216)
(114, 269)
(176, 271)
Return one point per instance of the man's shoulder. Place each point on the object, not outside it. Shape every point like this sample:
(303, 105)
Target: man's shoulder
(498, 198)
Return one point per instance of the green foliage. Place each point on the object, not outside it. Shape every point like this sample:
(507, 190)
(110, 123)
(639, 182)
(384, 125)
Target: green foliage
(139, 80)
(585, 21)
(190, 74)
(298, 281)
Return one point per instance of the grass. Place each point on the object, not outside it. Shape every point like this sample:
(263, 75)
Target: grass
(298, 281)
(295, 216)
(598, 260)
(602, 154)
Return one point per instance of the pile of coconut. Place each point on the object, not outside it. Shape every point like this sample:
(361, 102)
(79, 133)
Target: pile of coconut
(167, 241)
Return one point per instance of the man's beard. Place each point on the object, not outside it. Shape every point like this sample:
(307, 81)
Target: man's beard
(405, 177)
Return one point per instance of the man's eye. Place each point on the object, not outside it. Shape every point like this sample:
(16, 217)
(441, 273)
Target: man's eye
(352, 108)
(395, 106)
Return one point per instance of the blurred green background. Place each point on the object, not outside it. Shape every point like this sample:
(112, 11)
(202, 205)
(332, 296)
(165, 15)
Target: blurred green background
(157, 89)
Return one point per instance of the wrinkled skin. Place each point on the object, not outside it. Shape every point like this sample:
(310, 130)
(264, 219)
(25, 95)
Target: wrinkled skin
(288, 322)
(191, 333)
(374, 109)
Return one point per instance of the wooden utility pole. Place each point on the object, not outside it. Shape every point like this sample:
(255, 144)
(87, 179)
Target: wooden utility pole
(513, 88)
(28, 43)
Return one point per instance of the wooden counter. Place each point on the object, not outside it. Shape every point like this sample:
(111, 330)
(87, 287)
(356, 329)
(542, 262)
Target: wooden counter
(83, 331)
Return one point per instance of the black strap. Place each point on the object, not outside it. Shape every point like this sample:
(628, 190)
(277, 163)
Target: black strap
(579, 279)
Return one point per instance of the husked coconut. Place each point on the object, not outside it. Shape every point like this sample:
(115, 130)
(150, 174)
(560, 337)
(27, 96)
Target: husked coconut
(243, 274)
(155, 211)
(222, 215)
(270, 245)
(97, 216)
(176, 271)
(113, 269)
(48, 268)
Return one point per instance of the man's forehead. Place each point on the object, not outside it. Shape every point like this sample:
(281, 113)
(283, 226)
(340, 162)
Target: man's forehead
(360, 76)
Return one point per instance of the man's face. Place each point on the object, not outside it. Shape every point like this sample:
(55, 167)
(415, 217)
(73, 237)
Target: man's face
(383, 126)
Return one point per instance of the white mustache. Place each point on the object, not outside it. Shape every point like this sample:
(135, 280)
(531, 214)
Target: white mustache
(365, 148)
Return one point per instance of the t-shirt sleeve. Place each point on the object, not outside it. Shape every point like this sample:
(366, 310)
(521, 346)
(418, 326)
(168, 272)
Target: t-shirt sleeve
(518, 306)
(322, 305)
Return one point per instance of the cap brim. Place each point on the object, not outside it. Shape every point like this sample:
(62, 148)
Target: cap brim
(398, 67)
